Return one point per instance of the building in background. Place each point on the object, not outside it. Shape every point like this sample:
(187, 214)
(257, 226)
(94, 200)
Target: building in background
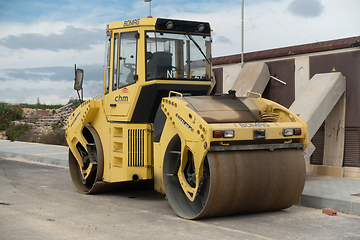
(296, 65)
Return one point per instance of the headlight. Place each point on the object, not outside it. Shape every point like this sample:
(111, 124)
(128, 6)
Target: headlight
(228, 133)
(291, 131)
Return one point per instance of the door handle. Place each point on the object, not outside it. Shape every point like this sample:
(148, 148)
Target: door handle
(113, 105)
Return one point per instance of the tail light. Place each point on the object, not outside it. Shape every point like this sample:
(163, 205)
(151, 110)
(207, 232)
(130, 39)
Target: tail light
(223, 134)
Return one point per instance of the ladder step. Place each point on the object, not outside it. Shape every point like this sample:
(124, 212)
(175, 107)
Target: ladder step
(176, 152)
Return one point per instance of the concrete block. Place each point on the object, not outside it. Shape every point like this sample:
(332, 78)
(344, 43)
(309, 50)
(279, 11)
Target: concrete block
(253, 78)
(213, 81)
(352, 172)
(334, 137)
(328, 171)
(307, 154)
(355, 208)
(309, 150)
(338, 172)
(318, 98)
(302, 73)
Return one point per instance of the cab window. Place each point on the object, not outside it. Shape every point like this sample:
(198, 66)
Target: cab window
(127, 58)
(116, 62)
(125, 54)
(177, 56)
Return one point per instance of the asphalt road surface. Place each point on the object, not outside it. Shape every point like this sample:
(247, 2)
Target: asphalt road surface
(40, 202)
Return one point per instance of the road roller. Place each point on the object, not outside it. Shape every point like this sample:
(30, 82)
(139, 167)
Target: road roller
(212, 155)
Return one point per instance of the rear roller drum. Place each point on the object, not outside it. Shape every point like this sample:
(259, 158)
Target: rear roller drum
(85, 178)
(237, 182)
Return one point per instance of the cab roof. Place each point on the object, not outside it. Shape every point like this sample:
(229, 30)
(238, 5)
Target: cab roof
(164, 24)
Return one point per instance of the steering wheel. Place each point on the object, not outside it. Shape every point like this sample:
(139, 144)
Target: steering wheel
(130, 66)
(148, 55)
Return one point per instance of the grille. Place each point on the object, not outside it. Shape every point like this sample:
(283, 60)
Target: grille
(136, 144)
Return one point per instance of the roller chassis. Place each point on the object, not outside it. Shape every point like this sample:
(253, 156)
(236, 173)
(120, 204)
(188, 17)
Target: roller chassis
(253, 165)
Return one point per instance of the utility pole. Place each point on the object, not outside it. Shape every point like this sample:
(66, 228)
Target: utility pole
(242, 33)
(149, 1)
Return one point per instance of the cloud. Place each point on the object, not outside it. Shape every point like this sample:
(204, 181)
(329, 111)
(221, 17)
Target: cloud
(71, 38)
(93, 72)
(52, 84)
(306, 8)
(28, 91)
(223, 39)
(36, 38)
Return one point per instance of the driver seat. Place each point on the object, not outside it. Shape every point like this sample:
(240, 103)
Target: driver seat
(159, 64)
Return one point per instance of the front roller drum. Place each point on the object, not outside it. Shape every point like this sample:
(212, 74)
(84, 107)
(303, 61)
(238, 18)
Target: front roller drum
(239, 182)
(91, 183)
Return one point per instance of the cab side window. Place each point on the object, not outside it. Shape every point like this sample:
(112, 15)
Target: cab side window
(107, 63)
(127, 58)
(116, 62)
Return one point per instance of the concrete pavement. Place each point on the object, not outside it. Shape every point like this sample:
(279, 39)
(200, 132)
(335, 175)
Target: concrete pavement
(340, 194)
(50, 154)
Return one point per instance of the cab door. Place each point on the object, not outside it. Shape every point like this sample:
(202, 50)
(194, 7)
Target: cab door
(121, 88)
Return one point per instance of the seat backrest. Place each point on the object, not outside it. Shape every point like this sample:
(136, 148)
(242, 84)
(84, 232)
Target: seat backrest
(159, 64)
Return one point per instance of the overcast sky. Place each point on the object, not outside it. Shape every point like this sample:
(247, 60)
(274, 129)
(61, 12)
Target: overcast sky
(40, 41)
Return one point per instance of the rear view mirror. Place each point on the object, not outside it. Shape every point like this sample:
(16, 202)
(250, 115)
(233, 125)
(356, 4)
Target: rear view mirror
(79, 74)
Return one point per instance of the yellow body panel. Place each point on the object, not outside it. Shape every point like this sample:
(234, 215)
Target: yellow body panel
(143, 22)
(84, 114)
(127, 147)
(130, 152)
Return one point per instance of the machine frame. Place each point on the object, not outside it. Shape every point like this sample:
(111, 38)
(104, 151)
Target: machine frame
(156, 122)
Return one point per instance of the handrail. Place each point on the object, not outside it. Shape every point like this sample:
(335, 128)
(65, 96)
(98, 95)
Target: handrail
(104, 78)
(97, 96)
(176, 93)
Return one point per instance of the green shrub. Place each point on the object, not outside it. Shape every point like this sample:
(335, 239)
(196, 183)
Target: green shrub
(28, 136)
(55, 137)
(4, 123)
(14, 131)
(9, 113)
(23, 132)
(40, 106)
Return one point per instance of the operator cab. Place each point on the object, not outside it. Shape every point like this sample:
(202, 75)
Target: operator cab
(147, 58)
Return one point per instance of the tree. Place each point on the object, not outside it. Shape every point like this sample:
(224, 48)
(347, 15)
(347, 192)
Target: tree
(76, 102)
(38, 104)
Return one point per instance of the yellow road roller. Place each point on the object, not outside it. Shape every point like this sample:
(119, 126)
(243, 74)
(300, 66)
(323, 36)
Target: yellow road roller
(212, 155)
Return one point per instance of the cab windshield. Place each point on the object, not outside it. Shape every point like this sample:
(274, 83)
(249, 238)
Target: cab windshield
(177, 56)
